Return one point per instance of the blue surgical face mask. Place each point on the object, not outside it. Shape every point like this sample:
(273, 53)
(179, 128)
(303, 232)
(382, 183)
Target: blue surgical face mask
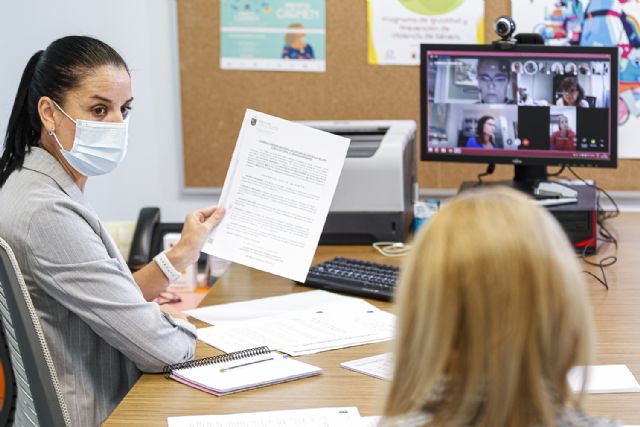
(98, 147)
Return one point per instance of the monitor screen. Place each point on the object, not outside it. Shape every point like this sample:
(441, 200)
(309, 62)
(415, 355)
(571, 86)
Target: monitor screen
(533, 105)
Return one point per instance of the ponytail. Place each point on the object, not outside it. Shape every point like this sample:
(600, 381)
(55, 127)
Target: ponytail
(22, 131)
(52, 73)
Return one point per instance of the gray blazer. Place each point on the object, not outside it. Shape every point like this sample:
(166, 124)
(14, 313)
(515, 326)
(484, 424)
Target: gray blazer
(100, 330)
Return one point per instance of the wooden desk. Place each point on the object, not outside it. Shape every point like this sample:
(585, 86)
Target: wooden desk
(154, 398)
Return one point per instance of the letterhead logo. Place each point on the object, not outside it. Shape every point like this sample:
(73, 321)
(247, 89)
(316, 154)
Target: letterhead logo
(264, 124)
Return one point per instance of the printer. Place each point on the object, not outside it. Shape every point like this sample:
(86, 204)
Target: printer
(377, 187)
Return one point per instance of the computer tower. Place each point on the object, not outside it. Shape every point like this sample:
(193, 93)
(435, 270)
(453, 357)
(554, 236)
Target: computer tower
(580, 220)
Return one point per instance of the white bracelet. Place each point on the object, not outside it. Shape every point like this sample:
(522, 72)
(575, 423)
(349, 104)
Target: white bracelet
(167, 268)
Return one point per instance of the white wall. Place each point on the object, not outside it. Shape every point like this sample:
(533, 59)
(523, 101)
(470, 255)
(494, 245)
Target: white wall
(144, 32)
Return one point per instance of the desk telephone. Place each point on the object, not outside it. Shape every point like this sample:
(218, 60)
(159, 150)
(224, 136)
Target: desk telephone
(147, 238)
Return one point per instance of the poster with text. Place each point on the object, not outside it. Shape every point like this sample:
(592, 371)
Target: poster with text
(595, 23)
(272, 35)
(397, 27)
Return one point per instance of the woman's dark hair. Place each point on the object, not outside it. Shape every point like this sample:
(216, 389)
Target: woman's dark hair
(51, 72)
(570, 83)
(480, 129)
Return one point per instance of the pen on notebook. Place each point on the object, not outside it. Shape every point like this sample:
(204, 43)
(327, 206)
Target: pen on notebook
(245, 364)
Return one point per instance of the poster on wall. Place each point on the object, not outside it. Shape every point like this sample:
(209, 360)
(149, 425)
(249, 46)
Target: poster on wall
(272, 35)
(595, 23)
(397, 27)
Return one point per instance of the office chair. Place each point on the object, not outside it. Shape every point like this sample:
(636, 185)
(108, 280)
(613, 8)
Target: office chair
(7, 406)
(38, 399)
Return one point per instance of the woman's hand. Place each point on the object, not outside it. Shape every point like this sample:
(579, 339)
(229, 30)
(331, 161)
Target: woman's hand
(197, 226)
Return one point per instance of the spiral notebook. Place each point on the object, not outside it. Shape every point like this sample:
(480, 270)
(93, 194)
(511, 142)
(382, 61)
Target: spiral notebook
(239, 371)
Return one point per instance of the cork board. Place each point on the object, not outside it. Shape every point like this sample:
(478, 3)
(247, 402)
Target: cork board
(214, 101)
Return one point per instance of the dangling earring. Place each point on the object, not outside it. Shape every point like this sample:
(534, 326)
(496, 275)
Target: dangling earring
(52, 133)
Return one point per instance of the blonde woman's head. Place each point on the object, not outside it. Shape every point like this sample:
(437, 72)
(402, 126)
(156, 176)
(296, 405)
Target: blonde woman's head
(492, 314)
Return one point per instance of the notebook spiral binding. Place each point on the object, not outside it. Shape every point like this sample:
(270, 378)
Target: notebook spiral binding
(222, 358)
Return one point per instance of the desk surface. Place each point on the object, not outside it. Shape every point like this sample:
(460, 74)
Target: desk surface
(617, 314)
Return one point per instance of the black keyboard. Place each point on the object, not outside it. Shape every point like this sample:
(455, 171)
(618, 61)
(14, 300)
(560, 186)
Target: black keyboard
(363, 278)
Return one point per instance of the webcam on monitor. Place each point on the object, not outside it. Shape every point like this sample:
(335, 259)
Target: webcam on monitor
(504, 27)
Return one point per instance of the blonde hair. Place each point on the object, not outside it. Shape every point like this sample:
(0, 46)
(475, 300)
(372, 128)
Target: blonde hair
(289, 38)
(492, 314)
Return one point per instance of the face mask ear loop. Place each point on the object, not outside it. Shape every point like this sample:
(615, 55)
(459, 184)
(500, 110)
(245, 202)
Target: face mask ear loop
(52, 132)
(63, 112)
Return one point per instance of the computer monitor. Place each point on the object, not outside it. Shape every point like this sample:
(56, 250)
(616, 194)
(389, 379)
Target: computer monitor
(532, 106)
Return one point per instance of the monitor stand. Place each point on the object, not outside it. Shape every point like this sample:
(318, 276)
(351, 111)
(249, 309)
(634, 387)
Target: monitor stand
(525, 179)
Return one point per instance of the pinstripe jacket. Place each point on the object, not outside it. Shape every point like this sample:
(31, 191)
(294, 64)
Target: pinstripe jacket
(99, 328)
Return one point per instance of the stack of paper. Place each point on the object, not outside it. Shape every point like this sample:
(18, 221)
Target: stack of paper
(320, 417)
(296, 324)
(271, 306)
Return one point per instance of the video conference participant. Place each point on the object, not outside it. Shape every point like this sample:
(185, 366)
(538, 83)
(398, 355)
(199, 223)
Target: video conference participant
(485, 134)
(69, 122)
(572, 93)
(564, 138)
(492, 314)
(494, 78)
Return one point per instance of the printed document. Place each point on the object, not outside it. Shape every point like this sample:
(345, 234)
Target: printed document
(316, 417)
(277, 194)
(297, 332)
(270, 306)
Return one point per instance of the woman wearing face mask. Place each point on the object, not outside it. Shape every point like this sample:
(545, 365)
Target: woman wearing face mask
(69, 122)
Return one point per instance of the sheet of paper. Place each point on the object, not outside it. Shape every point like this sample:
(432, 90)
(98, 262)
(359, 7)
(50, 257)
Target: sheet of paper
(302, 333)
(380, 366)
(277, 194)
(316, 417)
(271, 306)
(604, 379)
(370, 421)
